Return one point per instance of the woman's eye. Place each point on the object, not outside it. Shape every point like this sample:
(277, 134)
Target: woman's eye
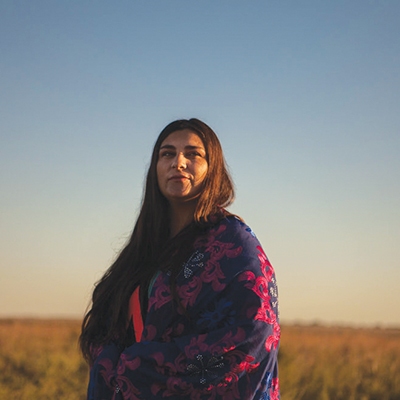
(167, 154)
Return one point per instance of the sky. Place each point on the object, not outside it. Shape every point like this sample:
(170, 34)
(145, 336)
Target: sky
(304, 96)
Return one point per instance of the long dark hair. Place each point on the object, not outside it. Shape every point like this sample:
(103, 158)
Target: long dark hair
(149, 243)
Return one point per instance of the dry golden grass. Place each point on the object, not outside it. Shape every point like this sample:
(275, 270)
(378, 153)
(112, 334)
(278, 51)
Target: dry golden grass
(40, 360)
(320, 363)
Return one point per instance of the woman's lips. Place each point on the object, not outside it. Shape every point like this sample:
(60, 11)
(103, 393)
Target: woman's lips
(177, 178)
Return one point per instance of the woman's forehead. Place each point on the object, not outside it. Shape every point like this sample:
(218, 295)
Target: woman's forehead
(183, 138)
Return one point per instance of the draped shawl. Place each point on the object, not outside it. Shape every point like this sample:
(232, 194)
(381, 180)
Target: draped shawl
(220, 343)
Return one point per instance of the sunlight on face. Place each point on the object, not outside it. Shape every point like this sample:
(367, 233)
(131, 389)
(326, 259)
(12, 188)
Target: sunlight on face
(182, 166)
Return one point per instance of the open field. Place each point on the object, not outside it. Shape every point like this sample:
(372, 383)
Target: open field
(319, 363)
(39, 359)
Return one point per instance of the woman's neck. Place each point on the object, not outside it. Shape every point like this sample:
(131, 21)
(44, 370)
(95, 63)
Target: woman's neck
(181, 215)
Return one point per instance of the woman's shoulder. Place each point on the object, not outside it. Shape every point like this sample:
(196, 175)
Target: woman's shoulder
(234, 227)
(230, 232)
(232, 247)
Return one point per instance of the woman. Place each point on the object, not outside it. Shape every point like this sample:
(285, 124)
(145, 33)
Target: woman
(188, 310)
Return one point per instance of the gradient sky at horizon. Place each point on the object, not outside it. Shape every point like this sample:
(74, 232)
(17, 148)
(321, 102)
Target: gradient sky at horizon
(303, 95)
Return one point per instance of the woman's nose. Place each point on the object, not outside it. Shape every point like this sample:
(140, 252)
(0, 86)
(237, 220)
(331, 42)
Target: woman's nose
(179, 162)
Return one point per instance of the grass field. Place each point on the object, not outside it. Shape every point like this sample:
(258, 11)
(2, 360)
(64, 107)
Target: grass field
(339, 363)
(39, 359)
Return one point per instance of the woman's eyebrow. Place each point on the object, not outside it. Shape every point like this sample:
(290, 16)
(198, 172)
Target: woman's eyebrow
(167, 146)
(194, 147)
(188, 147)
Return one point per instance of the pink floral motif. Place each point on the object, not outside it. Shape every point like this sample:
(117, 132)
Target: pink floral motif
(172, 332)
(196, 346)
(228, 342)
(149, 332)
(246, 363)
(107, 372)
(216, 248)
(95, 351)
(129, 391)
(273, 340)
(212, 272)
(169, 368)
(162, 294)
(174, 387)
(205, 241)
(260, 286)
(228, 388)
(275, 389)
(127, 362)
(188, 293)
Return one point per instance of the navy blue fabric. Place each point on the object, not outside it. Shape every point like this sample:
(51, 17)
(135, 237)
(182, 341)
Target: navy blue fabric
(224, 345)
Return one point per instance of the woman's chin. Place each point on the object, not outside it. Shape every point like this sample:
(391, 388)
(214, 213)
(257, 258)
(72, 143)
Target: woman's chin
(177, 198)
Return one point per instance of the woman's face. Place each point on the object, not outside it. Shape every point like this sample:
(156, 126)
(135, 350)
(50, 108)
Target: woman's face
(182, 166)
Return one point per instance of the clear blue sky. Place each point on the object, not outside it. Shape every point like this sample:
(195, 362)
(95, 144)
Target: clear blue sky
(304, 96)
